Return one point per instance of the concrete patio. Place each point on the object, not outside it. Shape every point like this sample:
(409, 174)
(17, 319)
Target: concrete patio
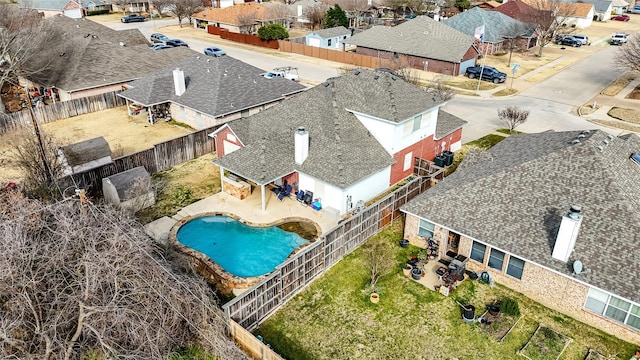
(249, 209)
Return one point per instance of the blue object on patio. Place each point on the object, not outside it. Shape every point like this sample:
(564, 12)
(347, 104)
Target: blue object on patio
(285, 192)
(316, 205)
(300, 195)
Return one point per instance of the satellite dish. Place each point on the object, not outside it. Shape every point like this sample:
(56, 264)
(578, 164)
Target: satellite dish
(577, 267)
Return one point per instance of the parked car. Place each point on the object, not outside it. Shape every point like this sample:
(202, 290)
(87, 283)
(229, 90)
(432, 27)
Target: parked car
(569, 40)
(160, 47)
(214, 51)
(618, 39)
(621, 18)
(159, 38)
(132, 18)
(176, 43)
(487, 73)
(584, 39)
(286, 72)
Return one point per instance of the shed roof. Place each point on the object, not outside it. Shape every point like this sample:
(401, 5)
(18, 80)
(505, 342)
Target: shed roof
(513, 197)
(331, 32)
(229, 15)
(421, 36)
(131, 183)
(86, 151)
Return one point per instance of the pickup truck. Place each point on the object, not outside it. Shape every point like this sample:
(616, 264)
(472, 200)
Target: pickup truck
(487, 73)
(618, 39)
(286, 72)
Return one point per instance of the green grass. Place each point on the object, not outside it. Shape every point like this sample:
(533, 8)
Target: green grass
(508, 132)
(545, 344)
(486, 142)
(334, 319)
(471, 84)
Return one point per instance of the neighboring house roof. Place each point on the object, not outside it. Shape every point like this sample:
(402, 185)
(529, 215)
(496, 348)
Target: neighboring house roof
(514, 195)
(599, 6)
(421, 36)
(58, 5)
(341, 149)
(215, 86)
(88, 55)
(567, 9)
(497, 28)
(519, 10)
(619, 3)
(86, 151)
(491, 4)
(229, 15)
(447, 123)
(131, 183)
(331, 32)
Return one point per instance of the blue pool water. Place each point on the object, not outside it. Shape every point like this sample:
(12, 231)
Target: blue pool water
(242, 250)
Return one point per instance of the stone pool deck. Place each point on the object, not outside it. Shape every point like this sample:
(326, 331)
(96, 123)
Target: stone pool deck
(249, 209)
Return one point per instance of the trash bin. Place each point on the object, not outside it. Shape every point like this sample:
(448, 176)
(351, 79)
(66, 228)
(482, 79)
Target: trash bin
(440, 161)
(448, 155)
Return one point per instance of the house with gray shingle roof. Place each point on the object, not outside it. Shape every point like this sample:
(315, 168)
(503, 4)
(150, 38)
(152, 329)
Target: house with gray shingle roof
(602, 9)
(50, 8)
(331, 38)
(345, 140)
(499, 30)
(88, 58)
(205, 91)
(426, 44)
(552, 215)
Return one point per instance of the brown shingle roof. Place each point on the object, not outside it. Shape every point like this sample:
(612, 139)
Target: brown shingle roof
(229, 15)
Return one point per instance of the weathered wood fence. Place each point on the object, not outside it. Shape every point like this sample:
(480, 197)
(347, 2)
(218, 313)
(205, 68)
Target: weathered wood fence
(60, 110)
(253, 306)
(160, 157)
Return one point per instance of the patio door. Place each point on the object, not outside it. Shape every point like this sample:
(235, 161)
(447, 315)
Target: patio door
(453, 242)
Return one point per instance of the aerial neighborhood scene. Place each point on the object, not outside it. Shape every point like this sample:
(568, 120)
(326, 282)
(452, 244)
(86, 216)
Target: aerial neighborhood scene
(320, 179)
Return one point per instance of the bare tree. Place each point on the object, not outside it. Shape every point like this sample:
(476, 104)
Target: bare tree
(122, 4)
(30, 156)
(379, 260)
(315, 13)
(401, 67)
(513, 116)
(163, 6)
(23, 35)
(552, 16)
(355, 8)
(246, 22)
(627, 57)
(184, 9)
(281, 13)
(82, 281)
(440, 89)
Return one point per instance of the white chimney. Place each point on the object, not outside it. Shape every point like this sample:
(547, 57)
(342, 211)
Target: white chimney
(566, 239)
(301, 145)
(299, 10)
(178, 82)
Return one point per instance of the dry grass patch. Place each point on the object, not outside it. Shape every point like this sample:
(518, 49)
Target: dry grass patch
(626, 115)
(470, 84)
(617, 124)
(505, 92)
(634, 94)
(617, 86)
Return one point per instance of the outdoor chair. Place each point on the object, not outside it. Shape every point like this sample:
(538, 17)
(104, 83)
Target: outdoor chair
(300, 195)
(285, 193)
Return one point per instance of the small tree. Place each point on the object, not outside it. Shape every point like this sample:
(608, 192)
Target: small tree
(462, 4)
(627, 57)
(273, 32)
(379, 259)
(513, 116)
(335, 16)
(315, 13)
(246, 22)
(440, 89)
(401, 67)
(184, 9)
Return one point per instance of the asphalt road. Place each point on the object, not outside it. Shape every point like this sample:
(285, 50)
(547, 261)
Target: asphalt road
(312, 71)
(551, 103)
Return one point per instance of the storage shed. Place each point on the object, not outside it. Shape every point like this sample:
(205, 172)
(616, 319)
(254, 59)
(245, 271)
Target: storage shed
(129, 189)
(331, 38)
(85, 155)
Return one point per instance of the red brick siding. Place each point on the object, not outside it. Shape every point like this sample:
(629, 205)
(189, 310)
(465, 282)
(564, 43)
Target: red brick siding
(438, 66)
(221, 137)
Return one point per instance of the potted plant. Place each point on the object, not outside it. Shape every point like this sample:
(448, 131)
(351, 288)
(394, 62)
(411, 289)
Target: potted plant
(404, 243)
(406, 269)
(416, 273)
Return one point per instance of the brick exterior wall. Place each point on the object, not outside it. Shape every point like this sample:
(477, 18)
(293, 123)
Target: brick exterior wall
(433, 65)
(190, 117)
(555, 291)
(225, 135)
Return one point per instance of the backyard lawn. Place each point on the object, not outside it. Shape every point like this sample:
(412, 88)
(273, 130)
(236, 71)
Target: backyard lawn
(334, 319)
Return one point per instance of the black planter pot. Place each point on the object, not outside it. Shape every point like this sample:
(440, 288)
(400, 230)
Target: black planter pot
(469, 313)
(416, 273)
(404, 243)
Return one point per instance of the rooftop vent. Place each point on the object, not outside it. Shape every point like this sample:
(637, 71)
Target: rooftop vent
(610, 137)
(606, 142)
(575, 141)
(600, 148)
(357, 72)
(585, 132)
(376, 77)
(582, 136)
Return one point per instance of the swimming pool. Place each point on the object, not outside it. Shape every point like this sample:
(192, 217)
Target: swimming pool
(244, 250)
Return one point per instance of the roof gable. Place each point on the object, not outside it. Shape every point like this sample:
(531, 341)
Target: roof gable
(331, 32)
(498, 26)
(229, 15)
(421, 36)
(515, 194)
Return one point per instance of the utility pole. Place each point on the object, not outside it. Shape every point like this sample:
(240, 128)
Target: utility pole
(47, 168)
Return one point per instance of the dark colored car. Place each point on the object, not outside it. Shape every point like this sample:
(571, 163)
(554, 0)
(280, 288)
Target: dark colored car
(569, 40)
(160, 47)
(132, 18)
(621, 18)
(214, 51)
(487, 73)
(176, 43)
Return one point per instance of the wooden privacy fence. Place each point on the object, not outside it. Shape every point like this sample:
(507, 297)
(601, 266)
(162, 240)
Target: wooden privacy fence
(160, 157)
(251, 345)
(241, 38)
(254, 305)
(332, 55)
(61, 110)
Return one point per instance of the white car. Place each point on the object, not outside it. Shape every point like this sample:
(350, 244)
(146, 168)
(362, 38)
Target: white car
(287, 72)
(618, 39)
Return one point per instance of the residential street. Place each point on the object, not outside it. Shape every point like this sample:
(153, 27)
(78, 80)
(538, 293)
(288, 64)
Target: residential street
(552, 102)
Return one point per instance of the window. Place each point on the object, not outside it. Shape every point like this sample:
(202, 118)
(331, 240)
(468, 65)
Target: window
(496, 258)
(416, 123)
(408, 161)
(515, 267)
(329, 42)
(634, 317)
(425, 229)
(596, 301)
(617, 309)
(477, 251)
(613, 307)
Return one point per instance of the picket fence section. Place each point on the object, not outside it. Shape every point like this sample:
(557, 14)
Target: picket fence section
(60, 110)
(254, 305)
